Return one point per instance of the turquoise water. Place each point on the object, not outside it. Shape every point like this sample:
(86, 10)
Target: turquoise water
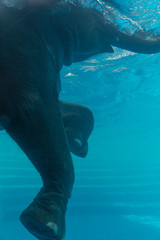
(117, 189)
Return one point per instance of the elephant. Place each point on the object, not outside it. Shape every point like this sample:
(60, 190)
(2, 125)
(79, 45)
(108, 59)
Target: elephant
(36, 39)
(78, 124)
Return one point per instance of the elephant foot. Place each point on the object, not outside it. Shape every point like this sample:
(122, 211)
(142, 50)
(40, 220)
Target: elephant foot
(45, 216)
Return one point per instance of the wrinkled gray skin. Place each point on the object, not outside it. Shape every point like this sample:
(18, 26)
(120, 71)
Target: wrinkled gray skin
(78, 124)
(34, 46)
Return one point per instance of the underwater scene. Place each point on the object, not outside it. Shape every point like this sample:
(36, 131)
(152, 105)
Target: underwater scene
(116, 195)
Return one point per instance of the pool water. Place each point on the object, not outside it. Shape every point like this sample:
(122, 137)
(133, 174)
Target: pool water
(116, 194)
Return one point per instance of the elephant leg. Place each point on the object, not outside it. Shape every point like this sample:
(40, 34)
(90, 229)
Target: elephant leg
(38, 129)
(78, 123)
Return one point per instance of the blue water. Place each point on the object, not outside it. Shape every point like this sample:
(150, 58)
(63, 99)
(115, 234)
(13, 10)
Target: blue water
(117, 189)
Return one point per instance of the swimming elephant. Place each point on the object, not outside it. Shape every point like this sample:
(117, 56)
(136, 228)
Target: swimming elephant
(35, 42)
(78, 123)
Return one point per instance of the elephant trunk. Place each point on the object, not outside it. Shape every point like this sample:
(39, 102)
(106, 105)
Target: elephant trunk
(134, 42)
